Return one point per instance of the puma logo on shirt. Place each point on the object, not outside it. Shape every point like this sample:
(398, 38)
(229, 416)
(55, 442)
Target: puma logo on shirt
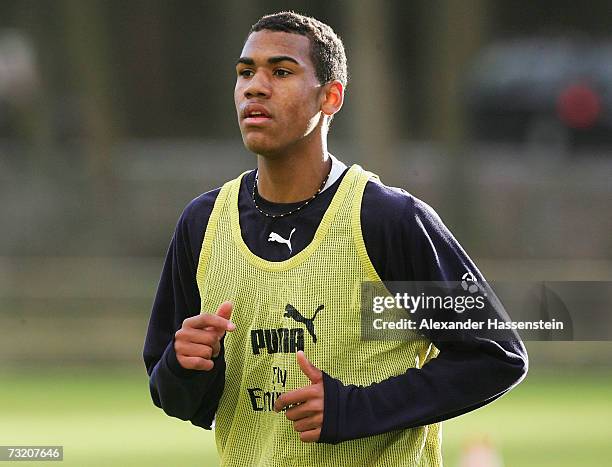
(274, 237)
(293, 313)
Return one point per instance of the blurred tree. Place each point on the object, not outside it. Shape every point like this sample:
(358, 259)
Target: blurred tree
(456, 32)
(372, 82)
(138, 31)
(90, 70)
(29, 90)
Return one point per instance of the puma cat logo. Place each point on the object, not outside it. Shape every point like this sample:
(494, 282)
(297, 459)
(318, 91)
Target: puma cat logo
(291, 312)
(274, 237)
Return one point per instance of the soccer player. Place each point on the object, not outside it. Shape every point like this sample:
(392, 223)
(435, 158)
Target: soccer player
(256, 321)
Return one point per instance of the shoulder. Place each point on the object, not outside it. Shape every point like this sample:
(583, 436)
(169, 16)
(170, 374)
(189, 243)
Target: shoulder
(193, 221)
(389, 206)
(198, 210)
(405, 237)
(391, 215)
(391, 197)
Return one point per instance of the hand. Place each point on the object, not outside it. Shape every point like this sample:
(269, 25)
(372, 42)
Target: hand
(305, 404)
(199, 339)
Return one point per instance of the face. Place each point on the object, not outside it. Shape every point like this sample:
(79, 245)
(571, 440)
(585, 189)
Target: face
(278, 96)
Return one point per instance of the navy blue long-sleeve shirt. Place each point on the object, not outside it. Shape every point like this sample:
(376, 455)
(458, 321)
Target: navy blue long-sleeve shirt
(406, 241)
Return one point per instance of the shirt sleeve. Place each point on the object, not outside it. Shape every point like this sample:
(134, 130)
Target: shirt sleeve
(185, 394)
(470, 370)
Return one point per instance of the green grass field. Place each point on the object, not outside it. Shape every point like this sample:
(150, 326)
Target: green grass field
(107, 419)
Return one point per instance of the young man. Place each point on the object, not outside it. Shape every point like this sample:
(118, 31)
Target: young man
(256, 322)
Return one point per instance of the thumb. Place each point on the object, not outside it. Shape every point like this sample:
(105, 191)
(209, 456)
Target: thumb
(312, 372)
(225, 311)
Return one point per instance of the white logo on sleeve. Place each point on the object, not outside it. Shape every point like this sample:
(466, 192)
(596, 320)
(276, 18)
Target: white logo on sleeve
(274, 237)
(469, 283)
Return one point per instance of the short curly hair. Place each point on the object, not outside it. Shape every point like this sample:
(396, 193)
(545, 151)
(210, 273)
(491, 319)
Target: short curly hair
(326, 48)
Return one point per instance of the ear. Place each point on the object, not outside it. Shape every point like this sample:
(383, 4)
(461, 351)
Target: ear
(332, 97)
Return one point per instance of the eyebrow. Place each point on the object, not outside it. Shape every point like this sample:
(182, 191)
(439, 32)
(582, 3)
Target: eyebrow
(271, 60)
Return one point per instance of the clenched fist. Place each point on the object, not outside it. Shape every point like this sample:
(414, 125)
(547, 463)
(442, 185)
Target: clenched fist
(199, 339)
(305, 406)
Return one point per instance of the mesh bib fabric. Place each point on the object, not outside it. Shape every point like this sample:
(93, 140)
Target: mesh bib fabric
(311, 302)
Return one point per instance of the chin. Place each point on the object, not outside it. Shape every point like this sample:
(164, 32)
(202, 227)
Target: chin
(260, 145)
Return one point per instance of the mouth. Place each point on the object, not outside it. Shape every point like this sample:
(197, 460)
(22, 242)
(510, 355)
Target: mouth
(256, 120)
(255, 114)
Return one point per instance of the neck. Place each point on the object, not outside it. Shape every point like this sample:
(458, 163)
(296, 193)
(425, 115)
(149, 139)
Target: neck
(293, 176)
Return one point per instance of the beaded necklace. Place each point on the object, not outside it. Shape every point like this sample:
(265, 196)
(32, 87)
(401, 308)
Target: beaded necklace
(301, 206)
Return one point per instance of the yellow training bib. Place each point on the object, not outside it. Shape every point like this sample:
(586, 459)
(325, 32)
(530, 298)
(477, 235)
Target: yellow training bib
(309, 302)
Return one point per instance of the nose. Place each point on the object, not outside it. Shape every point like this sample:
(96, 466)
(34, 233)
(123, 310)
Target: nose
(258, 86)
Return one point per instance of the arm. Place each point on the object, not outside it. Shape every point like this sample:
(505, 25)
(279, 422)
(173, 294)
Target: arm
(469, 372)
(183, 393)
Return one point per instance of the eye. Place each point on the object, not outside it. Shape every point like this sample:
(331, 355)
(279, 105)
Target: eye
(246, 73)
(282, 72)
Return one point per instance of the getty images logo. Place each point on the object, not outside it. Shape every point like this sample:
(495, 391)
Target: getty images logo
(285, 340)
